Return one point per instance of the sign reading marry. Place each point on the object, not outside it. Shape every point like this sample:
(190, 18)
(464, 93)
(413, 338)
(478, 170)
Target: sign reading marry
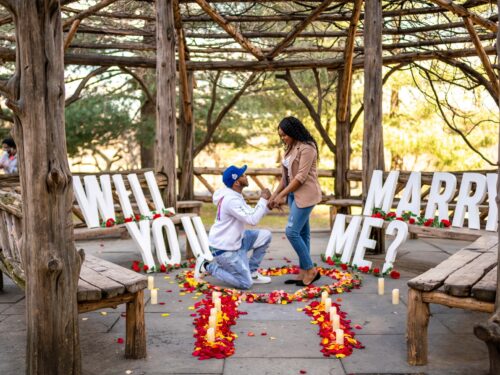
(474, 188)
(96, 202)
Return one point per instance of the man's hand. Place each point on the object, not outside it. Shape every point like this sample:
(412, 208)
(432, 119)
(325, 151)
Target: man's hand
(266, 194)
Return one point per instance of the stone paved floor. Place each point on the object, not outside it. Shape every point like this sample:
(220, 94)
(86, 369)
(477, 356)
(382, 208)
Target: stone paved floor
(453, 349)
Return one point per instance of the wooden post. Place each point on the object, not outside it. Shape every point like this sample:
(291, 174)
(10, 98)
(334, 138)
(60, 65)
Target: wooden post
(186, 128)
(343, 145)
(489, 332)
(165, 140)
(416, 328)
(1, 281)
(36, 96)
(373, 142)
(135, 344)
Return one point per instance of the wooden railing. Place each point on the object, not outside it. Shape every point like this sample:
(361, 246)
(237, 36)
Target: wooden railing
(272, 175)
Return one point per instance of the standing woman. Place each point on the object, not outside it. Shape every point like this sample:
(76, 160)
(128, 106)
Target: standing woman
(300, 186)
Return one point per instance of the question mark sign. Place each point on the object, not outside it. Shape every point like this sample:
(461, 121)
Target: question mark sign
(402, 234)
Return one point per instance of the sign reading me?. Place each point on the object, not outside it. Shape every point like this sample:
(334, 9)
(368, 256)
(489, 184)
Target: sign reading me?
(96, 201)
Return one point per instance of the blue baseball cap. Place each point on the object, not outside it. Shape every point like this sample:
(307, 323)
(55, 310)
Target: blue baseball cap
(231, 174)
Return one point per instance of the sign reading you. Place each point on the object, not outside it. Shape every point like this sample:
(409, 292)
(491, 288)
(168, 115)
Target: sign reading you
(474, 189)
(97, 200)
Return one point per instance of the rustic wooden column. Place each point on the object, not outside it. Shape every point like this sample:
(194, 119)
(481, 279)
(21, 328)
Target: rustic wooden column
(416, 328)
(165, 140)
(186, 128)
(343, 144)
(373, 143)
(489, 332)
(36, 96)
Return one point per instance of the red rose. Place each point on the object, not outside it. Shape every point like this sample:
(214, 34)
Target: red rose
(394, 274)
(428, 222)
(411, 221)
(163, 268)
(138, 217)
(136, 267)
(391, 214)
(446, 223)
(156, 216)
(344, 266)
(377, 214)
(110, 223)
(119, 340)
(145, 267)
(376, 271)
(129, 219)
(400, 218)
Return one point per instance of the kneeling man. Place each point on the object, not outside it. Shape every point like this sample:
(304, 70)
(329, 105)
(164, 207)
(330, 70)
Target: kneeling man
(228, 239)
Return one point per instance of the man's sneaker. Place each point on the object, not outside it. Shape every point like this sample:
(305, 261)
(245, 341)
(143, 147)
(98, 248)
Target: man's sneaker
(257, 278)
(200, 269)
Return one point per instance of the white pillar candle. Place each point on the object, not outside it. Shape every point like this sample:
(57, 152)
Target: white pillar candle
(339, 336)
(154, 296)
(212, 321)
(213, 311)
(211, 335)
(381, 286)
(216, 295)
(395, 296)
(151, 282)
(335, 319)
(333, 310)
(328, 304)
(217, 304)
(324, 296)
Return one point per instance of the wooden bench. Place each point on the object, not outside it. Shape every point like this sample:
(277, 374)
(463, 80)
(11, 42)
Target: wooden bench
(466, 280)
(102, 284)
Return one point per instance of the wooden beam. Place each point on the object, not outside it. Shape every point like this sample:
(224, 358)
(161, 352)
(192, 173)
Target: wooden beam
(463, 12)
(482, 54)
(237, 36)
(345, 90)
(88, 12)
(298, 28)
(71, 33)
(165, 140)
(8, 54)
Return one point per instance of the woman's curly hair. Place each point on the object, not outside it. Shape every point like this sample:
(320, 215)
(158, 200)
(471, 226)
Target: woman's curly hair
(295, 129)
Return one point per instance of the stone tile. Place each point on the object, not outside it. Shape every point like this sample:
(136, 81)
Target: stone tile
(95, 322)
(11, 292)
(170, 344)
(12, 351)
(267, 312)
(282, 366)
(444, 357)
(18, 308)
(292, 339)
(13, 323)
(460, 323)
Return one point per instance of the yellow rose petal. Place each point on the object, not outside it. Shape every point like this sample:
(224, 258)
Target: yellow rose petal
(191, 308)
(300, 310)
(182, 294)
(104, 313)
(165, 314)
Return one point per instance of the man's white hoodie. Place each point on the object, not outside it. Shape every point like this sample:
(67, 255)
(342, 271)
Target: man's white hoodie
(232, 215)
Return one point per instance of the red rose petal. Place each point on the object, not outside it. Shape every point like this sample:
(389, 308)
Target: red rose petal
(119, 340)
(303, 372)
(263, 334)
(251, 334)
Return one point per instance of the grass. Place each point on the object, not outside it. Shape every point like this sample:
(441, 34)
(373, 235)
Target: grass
(274, 220)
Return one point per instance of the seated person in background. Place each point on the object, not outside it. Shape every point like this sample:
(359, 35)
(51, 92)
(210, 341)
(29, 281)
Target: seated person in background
(228, 239)
(8, 161)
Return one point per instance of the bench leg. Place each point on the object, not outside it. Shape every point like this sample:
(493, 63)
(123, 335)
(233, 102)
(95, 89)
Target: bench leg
(489, 332)
(136, 328)
(416, 328)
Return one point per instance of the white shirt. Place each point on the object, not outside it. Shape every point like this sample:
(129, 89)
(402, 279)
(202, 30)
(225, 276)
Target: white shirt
(232, 215)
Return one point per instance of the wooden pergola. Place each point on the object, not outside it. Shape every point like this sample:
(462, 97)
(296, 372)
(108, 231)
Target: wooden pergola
(178, 38)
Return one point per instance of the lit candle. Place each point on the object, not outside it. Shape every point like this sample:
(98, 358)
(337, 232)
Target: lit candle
(210, 335)
(324, 296)
(335, 319)
(213, 311)
(212, 322)
(339, 336)
(151, 282)
(328, 304)
(333, 310)
(154, 296)
(216, 295)
(395, 296)
(381, 286)
(217, 304)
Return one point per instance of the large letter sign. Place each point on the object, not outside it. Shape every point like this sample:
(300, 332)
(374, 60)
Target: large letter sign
(381, 196)
(342, 241)
(470, 203)
(438, 198)
(95, 200)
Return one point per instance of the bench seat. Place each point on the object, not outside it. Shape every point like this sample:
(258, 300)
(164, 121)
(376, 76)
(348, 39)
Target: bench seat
(466, 280)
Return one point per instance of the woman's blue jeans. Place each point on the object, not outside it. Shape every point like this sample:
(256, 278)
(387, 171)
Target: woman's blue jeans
(298, 232)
